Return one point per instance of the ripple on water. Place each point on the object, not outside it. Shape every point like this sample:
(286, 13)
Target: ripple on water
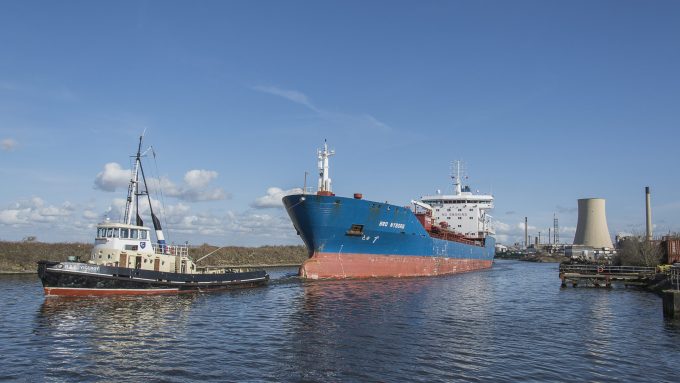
(511, 323)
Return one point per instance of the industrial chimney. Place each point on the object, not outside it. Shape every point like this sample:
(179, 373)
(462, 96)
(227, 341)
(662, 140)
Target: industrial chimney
(649, 214)
(591, 229)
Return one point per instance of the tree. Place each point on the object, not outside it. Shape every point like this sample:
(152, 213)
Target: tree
(635, 251)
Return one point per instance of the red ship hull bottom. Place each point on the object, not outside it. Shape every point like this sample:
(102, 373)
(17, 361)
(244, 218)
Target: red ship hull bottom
(349, 265)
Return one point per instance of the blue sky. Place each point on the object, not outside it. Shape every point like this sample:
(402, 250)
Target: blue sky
(545, 101)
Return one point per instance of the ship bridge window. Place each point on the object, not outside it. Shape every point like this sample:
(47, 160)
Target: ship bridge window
(116, 232)
(143, 234)
(109, 232)
(125, 233)
(101, 232)
(133, 233)
(356, 230)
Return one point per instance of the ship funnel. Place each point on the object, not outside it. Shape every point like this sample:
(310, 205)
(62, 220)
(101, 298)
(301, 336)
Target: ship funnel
(591, 229)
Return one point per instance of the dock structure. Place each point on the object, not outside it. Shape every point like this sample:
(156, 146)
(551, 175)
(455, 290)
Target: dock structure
(671, 297)
(605, 275)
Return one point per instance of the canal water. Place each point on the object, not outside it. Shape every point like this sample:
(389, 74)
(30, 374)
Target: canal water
(511, 323)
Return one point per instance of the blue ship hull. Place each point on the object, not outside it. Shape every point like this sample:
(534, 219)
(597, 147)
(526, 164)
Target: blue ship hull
(356, 238)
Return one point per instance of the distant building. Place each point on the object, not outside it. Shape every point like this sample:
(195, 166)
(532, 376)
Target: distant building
(671, 248)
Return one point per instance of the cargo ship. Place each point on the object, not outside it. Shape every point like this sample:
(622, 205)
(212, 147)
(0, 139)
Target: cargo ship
(126, 261)
(351, 237)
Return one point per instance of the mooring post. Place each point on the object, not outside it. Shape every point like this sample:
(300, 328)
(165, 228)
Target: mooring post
(671, 303)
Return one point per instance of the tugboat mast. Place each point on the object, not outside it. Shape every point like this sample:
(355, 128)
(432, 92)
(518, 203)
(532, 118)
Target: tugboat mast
(133, 191)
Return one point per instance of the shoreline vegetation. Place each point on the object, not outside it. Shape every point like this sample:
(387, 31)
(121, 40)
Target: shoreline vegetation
(21, 257)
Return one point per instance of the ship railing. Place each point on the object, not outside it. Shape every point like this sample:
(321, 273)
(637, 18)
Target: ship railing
(606, 269)
(309, 190)
(675, 276)
(181, 250)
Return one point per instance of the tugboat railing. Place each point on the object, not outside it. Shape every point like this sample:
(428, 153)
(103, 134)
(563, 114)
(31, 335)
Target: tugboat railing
(181, 250)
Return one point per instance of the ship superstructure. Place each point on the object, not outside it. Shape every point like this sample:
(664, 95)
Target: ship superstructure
(463, 212)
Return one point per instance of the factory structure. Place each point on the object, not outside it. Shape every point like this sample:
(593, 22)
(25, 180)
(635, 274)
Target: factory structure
(592, 241)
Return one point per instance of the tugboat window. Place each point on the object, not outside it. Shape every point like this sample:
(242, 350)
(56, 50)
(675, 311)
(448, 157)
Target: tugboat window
(133, 233)
(124, 233)
(109, 233)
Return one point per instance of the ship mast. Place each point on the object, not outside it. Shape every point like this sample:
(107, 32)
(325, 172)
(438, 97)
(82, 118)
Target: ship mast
(324, 179)
(456, 177)
(133, 203)
(132, 188)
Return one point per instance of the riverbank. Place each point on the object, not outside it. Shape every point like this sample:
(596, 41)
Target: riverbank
(542, 258)
(21, 257)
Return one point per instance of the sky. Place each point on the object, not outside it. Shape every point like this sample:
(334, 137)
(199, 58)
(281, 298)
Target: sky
(545, 102)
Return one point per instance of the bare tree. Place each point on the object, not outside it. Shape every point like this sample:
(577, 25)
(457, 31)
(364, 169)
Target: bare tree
(636, 251)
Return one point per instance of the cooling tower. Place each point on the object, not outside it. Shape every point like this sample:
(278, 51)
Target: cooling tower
(591, 229)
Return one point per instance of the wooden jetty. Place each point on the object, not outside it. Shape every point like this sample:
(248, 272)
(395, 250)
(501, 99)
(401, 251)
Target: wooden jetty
(605, 275)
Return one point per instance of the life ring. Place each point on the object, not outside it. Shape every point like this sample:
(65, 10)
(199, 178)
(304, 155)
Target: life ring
(600, 269)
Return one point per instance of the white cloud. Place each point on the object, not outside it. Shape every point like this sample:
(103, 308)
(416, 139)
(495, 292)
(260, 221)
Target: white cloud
(194, 188)
(290, 95)
(353, 121)
(90, 215)
(35, 211)
(116, 209)
(273, 198)
(199, 178)
(112, 178)
(8, 144)
(181, 223)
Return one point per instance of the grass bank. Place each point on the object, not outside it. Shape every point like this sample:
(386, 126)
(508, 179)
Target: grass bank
(21, 257)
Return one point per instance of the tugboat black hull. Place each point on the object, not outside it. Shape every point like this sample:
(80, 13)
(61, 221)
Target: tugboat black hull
(82, 279)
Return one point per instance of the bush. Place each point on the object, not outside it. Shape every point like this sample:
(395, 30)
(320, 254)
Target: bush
(634, 251)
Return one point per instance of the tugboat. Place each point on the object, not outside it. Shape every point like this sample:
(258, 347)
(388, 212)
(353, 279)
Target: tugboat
(125, 261)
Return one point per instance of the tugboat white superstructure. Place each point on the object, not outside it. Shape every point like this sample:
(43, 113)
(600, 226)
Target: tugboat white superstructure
(124, 260)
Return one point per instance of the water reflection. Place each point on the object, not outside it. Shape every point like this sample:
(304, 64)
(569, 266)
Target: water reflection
(103, 335)
(511, 323)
